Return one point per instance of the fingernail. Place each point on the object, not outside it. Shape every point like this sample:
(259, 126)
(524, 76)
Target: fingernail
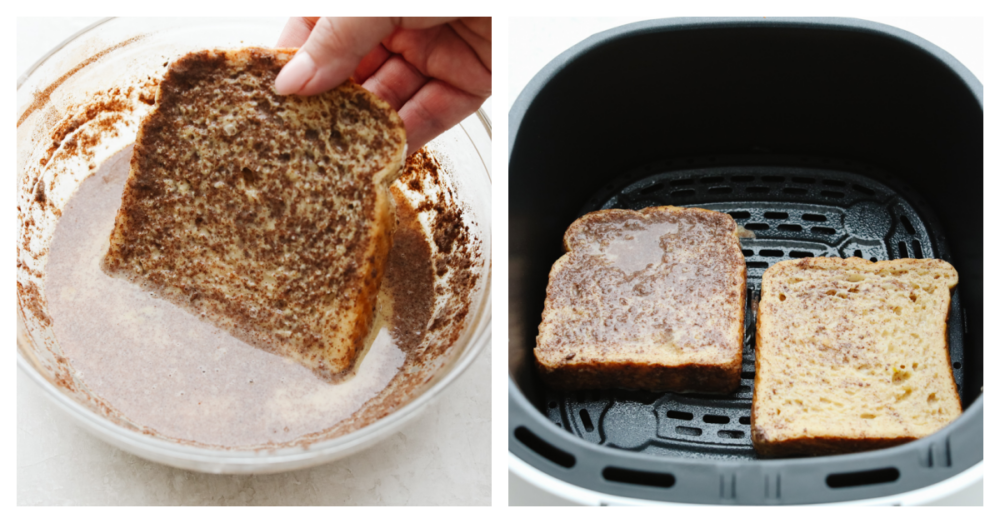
(296, 73)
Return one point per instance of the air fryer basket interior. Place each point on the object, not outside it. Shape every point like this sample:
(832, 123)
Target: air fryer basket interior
(826, 137)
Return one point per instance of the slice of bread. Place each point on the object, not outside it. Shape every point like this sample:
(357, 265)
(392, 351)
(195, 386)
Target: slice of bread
(649, 300)
(852, 355)
(269, 215)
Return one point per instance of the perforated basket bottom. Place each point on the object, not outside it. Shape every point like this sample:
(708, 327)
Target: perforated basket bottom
(795, 212)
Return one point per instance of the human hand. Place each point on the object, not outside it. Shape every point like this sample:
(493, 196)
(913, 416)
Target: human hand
(433, 71)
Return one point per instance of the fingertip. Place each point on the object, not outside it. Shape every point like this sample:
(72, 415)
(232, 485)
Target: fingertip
(414, 147)
(434, 109)
(295, 74)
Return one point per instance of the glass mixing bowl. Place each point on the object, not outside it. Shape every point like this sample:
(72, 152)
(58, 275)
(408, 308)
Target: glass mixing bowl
(128, 52)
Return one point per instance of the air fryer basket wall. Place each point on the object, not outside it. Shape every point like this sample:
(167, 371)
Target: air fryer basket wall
(784, 121)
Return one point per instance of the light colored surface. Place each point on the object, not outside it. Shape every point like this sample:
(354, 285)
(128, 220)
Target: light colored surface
(531, 487)
(534, 42)
(443, 458)
(969, 497)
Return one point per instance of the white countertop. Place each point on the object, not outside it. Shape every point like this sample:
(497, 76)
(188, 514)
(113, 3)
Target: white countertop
(442, 458)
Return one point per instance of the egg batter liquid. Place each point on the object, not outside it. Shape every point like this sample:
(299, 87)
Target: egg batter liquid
(168, 371)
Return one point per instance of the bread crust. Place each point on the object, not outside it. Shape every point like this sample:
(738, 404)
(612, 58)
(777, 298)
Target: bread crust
(773, 439)
(570, 367)
(823, 446)
(718, 379)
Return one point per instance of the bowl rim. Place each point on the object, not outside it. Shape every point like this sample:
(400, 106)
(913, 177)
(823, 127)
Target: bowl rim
(480, 325)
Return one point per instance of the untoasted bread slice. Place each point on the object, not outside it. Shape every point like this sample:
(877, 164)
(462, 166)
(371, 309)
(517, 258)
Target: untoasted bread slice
(268, 214)
(852, 355)
(648, 300)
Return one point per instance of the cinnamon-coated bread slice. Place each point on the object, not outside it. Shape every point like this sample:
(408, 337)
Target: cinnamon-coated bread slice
(852, 355)
(649, 299)
(269, 215)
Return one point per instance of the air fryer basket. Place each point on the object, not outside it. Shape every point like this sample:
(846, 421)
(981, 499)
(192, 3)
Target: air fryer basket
(825, 137)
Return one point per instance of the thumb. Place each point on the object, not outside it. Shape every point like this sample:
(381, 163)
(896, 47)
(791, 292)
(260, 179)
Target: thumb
(329, 56)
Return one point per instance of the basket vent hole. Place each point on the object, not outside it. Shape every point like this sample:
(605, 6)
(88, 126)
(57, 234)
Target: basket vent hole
(834, 183)
(684, 193)
(636, 477)
(864, 190)
(544, 448)
(747, 375)
(902, 250)
(676, 414)
(553, 404)
(757, 190)
(757, 226)
(795, 190)
(858, 254)
(731, 434)
(790, 227)
(804, 180)
(740, 215)
(814, 217)
(744, 420)
(909, 226)
(776, 215)
(874, 259)
(823, 230)
(747, 252)
(742, 179)
(757, 265)
(867, 477)
(832, 194)
(720, 190)
(772, 253)
(716, 419)
(588, 425)
(800, 254)
(689, 431)
(957, 365)
(918, 252)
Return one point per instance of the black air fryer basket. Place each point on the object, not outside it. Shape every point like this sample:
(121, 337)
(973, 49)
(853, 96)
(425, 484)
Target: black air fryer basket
(825, 137)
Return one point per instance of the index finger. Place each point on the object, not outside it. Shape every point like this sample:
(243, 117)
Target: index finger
(296, 31)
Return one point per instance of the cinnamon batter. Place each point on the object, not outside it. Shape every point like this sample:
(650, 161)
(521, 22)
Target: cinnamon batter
(185, 379)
